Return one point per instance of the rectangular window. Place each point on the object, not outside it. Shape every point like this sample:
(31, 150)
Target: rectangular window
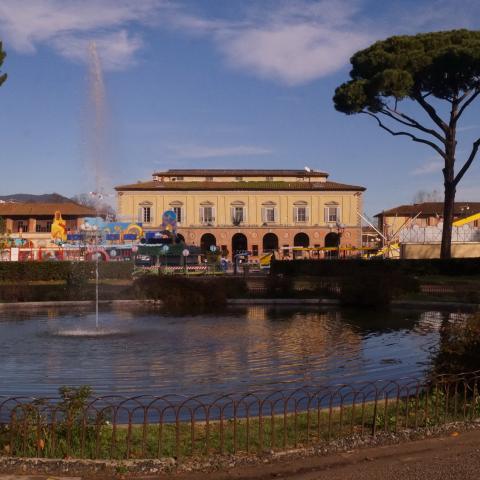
(209, 179)
(22, 227)
(332, 214)
(270, 214)
(180, 179)
(269, 179)
(301, 214)
(206, 215)
(146, 214)
(178, 213)
(239, 179)
(238, 215)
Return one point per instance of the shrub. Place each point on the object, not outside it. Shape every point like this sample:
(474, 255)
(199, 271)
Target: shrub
(183, 294)
(61, 271)
(340, 268)
(459, 347)
(375, 290)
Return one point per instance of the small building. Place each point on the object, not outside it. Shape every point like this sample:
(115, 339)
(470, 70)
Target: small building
(428, 214)
(416, 229)
(32, 221)
(239, 210)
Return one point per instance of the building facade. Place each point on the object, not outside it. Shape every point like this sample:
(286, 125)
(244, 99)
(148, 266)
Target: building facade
(248, 210)
(32, 222)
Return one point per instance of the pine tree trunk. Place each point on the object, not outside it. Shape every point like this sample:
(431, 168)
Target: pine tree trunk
(448, 211)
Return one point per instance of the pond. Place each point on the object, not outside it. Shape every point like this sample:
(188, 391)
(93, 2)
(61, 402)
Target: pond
(149, 352)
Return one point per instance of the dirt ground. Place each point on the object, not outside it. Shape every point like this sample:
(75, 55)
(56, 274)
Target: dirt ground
(454, 457)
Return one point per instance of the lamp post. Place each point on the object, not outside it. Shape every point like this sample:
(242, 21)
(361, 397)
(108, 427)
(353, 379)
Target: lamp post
(340, 230)
(185, 254)
(165, 250)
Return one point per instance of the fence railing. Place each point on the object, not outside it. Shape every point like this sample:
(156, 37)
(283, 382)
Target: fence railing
(175, 426)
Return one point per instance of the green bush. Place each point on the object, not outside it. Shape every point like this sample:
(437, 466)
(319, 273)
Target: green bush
(375, 290)
(340, 268)
(459, 346)
(183, 294)
(62, 271)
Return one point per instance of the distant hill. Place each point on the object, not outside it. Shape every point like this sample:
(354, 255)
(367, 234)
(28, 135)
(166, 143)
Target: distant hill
(29, 198)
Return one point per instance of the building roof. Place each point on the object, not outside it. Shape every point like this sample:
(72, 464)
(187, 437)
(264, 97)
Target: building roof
(45, 209)
(430, 209)
(208, 172)
(225, 186)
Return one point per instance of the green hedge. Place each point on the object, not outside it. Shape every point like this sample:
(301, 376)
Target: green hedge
(341, 268)
(48, 271)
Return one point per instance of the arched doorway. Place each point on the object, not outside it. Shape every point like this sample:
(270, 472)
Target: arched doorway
(301, 240)
(180, 238)
(207, 241)
(270, 242)
(239, 243)
(332, 240)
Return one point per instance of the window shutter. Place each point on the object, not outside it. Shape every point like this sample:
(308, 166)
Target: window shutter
(264, 219)
(140, 216)
(338, 215)
(202, 220)
(232, 214)
(307, 214)
(274, 214)
(326, 214)
(213, 215)
(295, 214)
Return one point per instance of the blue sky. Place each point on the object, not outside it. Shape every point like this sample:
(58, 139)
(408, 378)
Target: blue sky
(210, 83)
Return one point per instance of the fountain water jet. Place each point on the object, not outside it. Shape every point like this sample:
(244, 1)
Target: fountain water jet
(97, 143)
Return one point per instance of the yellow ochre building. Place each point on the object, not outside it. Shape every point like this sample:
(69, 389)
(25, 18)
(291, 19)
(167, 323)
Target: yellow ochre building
(254, 210)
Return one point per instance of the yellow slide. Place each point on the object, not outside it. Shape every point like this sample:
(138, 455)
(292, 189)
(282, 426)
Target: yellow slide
(464, 221)
(265, 260)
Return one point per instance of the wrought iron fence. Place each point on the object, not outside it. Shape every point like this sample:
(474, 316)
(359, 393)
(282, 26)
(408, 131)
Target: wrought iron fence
(175, 426)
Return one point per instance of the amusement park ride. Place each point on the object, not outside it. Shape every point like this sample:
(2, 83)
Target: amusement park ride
(108, 241)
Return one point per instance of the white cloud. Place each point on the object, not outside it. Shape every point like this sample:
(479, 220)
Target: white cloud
(293, 43)
(432, 166)
(202, 151)
(290, 41)
(68, 26)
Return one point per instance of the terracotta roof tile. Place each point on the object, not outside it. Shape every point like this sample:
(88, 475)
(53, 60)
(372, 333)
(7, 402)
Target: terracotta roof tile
(212, 172)
(45, 209)
(225, 186)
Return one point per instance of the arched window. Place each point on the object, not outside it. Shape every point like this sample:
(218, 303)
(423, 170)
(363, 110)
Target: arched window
(207, 241)
(270, 242)
(239, 243)
(301, 240)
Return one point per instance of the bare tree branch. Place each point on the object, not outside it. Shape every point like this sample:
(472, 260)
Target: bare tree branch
(467, 103)
(432, 113)
(471, 157)
(407, 134)
(411, 122)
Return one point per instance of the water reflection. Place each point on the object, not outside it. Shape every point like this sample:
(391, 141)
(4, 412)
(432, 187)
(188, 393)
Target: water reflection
(244, 348)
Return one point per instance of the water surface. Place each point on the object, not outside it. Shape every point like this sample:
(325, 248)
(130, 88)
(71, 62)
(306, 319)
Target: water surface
(146, 352)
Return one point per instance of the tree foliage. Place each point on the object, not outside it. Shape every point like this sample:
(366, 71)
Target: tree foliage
(3, 76)
(428, 69)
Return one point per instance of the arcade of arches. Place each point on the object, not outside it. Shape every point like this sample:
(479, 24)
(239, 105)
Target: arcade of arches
(259, 241)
